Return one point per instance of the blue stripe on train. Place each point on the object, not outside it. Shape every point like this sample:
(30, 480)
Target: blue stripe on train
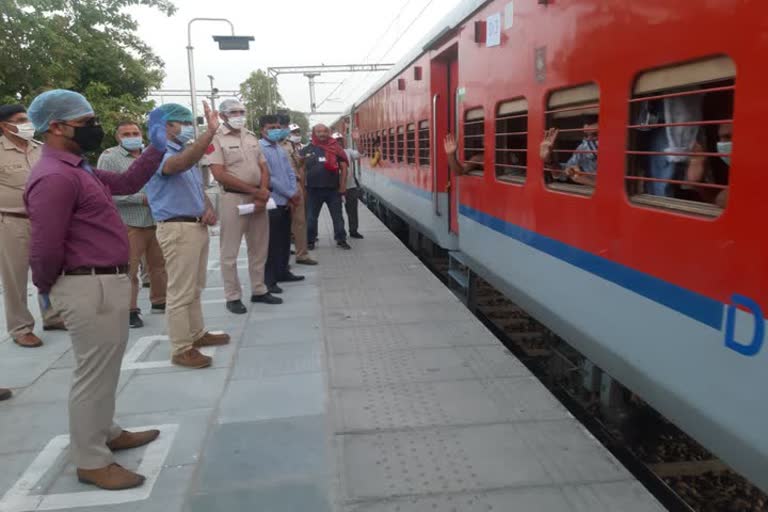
(691, 304)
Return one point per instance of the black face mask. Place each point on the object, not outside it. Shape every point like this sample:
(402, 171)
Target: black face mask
(89, 138)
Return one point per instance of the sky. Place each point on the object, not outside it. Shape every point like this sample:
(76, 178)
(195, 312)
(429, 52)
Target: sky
(289, 33)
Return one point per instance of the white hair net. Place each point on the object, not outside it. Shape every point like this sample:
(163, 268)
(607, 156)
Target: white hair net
(57, 105)
(228, 106)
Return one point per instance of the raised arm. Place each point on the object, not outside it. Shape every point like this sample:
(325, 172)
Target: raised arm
(137, 175)
(195, 151)
(453, 162)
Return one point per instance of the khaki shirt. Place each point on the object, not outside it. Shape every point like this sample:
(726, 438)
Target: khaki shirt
(239, 153)
(295, 159)
(15, 165)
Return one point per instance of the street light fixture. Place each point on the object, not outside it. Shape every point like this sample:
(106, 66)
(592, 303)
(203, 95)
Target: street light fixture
(230, 42)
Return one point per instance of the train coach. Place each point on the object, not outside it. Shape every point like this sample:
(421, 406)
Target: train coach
(633, 231)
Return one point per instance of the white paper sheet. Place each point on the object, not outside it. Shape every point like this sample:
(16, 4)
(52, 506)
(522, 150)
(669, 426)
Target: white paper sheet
(247, 209)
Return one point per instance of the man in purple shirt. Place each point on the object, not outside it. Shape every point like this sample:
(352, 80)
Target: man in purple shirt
(79, 256)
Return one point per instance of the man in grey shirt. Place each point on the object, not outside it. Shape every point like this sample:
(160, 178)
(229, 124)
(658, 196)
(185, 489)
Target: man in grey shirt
(135, 212)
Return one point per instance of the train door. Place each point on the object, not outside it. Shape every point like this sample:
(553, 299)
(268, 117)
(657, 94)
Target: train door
(445, 79)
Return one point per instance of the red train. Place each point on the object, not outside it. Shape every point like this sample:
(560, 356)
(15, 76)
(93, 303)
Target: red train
(640, 247)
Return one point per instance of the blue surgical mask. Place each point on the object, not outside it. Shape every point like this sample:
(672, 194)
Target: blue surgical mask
(275, 134)
(132, 143)
(725, 147)
(187, 134)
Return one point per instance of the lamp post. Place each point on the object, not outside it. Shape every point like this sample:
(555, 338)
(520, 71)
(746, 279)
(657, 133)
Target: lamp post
(230, 42)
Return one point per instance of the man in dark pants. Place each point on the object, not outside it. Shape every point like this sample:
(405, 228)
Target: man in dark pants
(325, 164)
(352, 196)
(285, 193)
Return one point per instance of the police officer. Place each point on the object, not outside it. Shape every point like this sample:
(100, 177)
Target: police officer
(299, 211)
(239, 166)
(18, 153)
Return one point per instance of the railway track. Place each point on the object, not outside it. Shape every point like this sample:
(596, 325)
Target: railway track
(682, 474)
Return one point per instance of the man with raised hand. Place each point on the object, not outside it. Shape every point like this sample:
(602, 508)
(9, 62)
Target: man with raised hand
(79, 255)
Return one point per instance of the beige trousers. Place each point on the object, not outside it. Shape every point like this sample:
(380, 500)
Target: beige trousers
(299, 227)
(143, 243)
(255, 228)
(95, 311)
(185, 248)
(14, 273)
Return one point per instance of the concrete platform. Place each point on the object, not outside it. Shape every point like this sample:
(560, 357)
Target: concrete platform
(372, 389)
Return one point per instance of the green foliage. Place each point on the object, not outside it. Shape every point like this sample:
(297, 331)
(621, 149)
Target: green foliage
(260, 95)
(112, 109)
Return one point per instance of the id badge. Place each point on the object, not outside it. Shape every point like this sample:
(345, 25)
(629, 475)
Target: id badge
(321, 159)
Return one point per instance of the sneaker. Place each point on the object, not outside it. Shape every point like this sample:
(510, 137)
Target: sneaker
(342, 244)
(146, 285)
(290, 278)
(210, 339)
(356, 235)
(275, 289)
(266, 298)
(135, 321)
(311, 246)
(306, 261)
(112, 478)
(158, 309)
(236, 307)
(192, 358)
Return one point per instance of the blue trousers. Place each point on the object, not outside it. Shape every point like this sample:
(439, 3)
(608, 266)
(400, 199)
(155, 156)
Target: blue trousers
(316, 197)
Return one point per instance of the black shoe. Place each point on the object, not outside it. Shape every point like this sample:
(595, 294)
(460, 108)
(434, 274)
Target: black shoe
(275, 289)
(293, 251)
(290, 278)
(266, 298)
(134, 320)
(311, 246)
(5, 394)
(158, 309)
(236, 307)
(356, 235)
(146, 285)
(342, 244)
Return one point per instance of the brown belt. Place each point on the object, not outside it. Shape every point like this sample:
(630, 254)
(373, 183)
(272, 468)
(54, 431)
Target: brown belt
(14, 214)
(196, 220)
(233, 191)
(91, 271)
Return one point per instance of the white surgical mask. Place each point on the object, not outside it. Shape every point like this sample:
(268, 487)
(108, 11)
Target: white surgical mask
(236, 123)
(725, 147)
(295, 138)
(25, 131)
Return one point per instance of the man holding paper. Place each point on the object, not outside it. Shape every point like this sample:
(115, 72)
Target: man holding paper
(238, 164)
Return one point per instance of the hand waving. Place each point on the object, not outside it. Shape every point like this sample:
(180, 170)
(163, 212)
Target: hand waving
(211, 117)
(545, 149)
(450, 144)
(157, 133)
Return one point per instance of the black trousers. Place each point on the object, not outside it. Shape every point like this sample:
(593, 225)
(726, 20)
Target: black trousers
(279, 245)
(350, 204)
(316, 198)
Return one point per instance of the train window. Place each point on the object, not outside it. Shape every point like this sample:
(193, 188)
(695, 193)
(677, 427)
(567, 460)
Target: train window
(391, 145)
(410, 144)
(569, 149)
(679, 151)
(512, 140)
(400, 144)
(424, 143)
(474, 134)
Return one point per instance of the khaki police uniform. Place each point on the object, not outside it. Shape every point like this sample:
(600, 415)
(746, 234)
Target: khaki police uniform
(299, 212)
(15, 164)
(240, 154)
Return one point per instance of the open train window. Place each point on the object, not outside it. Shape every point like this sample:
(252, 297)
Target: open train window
(391, 145)
(474, 135)
(424, 143)
(679, 150)
(569, 149)
(400, 144)
(410, 144)
(512, 140)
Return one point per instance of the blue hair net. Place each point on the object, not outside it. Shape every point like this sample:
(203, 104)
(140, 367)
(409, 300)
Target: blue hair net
(176, 112)
(57, 105)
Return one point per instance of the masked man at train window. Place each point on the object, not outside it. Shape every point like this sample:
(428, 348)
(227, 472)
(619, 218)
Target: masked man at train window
(352, 197)
(326, 167)
(292, 145)
(239, 166)
(79, 255)
(183, 213)
(135, 212)
(286, 195)
(581, 167)
(18, 153)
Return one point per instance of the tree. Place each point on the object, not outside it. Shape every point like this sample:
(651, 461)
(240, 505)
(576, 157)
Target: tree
(260, 95)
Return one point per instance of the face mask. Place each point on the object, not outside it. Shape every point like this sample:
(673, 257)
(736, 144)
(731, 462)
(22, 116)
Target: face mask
(88, 137)
(187, 134)
(132, 143)
(274, 134)
(25, 131)
(295, 138)
(725, 147)
(236, 123)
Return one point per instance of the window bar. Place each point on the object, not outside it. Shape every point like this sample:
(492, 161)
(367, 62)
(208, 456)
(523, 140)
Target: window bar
(682, 93)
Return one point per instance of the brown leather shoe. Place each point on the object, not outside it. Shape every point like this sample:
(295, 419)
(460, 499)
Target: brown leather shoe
(127, 440)
(192, 358)
(112, 478)
(212, 340)
(28, 340)
(5, 394)
(55, 326)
